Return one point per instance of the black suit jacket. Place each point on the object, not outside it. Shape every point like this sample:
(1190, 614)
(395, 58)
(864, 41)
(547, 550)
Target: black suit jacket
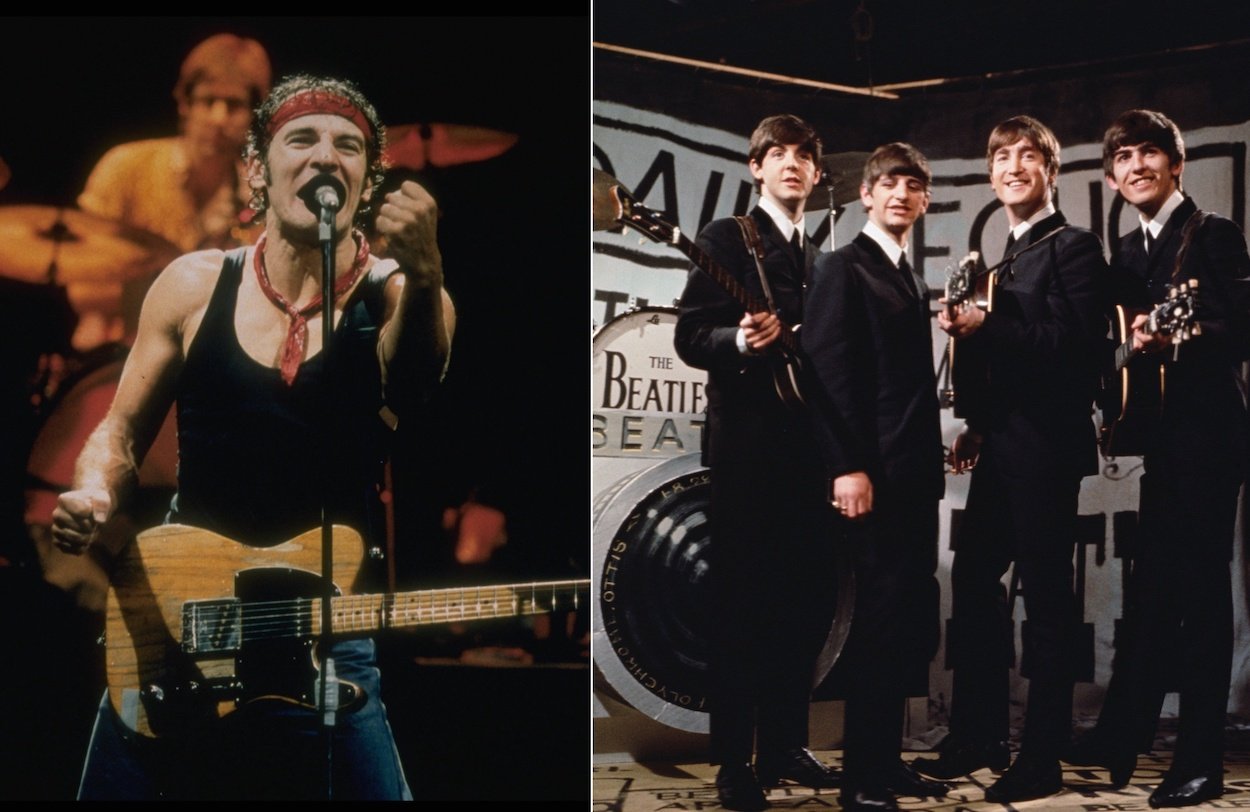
(746, 419)
(867, 336)
(1203, 430)
(1031, 372)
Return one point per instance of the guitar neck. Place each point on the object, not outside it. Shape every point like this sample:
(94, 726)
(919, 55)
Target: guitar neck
(1124, 354)
(363, 614)
(726, 280)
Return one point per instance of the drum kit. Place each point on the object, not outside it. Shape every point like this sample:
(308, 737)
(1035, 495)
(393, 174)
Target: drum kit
(421, 145)
(65, 282)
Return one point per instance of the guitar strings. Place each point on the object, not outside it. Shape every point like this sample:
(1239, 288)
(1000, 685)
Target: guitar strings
(299, 617)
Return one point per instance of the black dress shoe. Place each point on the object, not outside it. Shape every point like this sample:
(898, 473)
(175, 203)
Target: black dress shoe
(903, 780)
(957, 758)
(1095, 749)
(738, 789)
(1026, 779)
(798, 765)
(1187, 792)
(868, 799)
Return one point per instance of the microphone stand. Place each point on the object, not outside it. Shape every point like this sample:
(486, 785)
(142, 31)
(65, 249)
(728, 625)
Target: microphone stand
(328, 685)
(833, 218)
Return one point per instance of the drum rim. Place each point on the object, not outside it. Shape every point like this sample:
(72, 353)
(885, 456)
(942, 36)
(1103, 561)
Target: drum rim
(601, 331)
(629, 491)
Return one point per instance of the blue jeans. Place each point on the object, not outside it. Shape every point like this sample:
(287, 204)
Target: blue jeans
(280, 752)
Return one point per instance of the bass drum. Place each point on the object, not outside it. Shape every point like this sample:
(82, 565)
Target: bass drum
(71, 417)
(650, 535)
(647, 404)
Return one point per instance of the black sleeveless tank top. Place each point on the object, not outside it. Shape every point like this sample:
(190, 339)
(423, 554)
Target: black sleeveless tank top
(253, 451)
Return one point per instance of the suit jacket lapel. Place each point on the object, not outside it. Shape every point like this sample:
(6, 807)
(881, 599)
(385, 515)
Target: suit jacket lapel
(1169, 241)
(889, 270)
(773, 240)
(1043, 227)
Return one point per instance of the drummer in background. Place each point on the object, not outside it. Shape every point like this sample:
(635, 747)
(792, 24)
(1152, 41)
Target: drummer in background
(189, 189)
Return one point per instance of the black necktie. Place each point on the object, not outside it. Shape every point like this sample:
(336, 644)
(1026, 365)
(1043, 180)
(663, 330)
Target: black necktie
(796, 244)
(1011, 243)
(1147, 239)
(917, 284)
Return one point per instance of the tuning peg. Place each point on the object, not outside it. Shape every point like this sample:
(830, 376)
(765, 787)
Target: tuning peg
(1196, 330)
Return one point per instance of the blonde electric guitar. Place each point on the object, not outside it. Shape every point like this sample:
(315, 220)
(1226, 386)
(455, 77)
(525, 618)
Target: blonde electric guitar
(198, 625)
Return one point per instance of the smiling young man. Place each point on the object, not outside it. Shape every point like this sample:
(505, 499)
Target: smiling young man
(1030, 373)
(771, 547)
(234, 339)
(1181, 608)
(867, 334)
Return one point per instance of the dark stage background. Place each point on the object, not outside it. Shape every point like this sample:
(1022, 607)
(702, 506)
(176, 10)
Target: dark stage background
(508, 421)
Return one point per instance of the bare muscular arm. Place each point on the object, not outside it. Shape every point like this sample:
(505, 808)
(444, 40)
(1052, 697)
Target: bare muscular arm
(107, 469)
(414, 345)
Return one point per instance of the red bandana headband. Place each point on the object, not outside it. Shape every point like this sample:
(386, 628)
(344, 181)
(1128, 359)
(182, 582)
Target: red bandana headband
(313, 102)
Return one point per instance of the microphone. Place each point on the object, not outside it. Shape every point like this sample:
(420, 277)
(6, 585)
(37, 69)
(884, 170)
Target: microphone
(323, 193)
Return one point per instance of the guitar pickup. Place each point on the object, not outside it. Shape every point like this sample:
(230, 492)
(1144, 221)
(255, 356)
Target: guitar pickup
(212, 626)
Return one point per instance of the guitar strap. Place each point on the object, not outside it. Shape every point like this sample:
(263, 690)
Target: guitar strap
(1039, 241)
(1187, 234)
(751, 236)
(1192, 225)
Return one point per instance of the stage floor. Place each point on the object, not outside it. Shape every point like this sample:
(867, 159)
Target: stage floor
(634, 787)
(627, 786)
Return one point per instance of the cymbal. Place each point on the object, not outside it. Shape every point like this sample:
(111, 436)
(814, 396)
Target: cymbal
(52, 244)
(605, 210)
(414, 146)
(840, 176)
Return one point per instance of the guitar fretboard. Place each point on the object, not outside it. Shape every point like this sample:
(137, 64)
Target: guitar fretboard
(726, 280)
(648, 222)
(352, 614)
(1123, 354)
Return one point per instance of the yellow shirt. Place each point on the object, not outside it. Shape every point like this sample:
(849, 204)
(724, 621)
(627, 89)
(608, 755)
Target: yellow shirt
(144, 184)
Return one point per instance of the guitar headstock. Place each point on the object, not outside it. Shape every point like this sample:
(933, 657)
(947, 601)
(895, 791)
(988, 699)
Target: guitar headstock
(1176, 316)
(613, 206)
(959, 279)
(640, 218)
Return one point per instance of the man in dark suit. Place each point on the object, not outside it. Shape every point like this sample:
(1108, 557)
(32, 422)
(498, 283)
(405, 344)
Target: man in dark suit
(867, 334)
(1179, 589)
(771, 550)
(1031, 438)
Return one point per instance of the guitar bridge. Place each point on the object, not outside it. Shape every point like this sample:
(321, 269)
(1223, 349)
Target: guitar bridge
(212, 626)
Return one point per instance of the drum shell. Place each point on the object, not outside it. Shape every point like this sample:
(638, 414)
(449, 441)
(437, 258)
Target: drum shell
(71, 418)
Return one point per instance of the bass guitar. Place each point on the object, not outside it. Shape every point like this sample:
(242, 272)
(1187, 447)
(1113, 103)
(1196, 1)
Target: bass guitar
(786, 360)
(1131, 396)
(198, 625)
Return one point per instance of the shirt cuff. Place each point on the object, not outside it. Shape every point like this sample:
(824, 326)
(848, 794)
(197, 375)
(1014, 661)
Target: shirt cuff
(741, 341)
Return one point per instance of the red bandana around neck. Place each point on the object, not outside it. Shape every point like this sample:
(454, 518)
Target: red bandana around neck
(297, 334)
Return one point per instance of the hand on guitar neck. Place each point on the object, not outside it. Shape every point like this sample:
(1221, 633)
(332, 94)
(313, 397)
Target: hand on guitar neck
(966, 289)
(1143, 339)
(1169, 324)
(760, 330)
